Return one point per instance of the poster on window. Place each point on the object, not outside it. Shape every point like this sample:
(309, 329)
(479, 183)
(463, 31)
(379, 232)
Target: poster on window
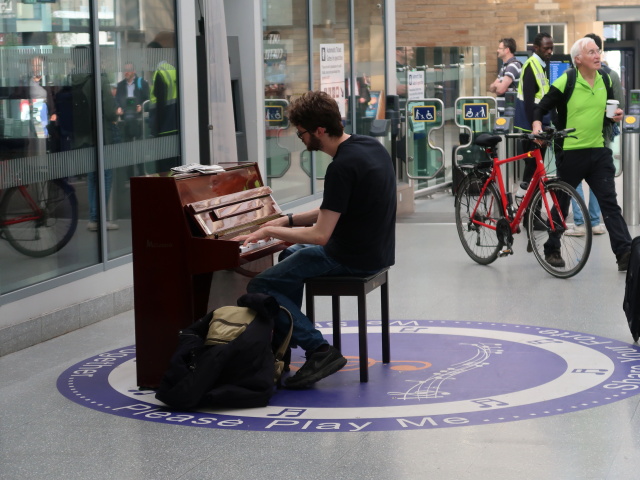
(415, 85)
(332, 78)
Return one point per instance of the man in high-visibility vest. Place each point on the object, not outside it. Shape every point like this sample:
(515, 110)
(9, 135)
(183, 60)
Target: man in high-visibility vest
(163, 97)
(533, 85)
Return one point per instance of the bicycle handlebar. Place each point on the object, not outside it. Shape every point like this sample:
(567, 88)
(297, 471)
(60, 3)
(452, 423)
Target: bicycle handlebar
(547, 135)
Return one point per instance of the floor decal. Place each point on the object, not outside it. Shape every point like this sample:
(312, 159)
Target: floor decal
(442, 374)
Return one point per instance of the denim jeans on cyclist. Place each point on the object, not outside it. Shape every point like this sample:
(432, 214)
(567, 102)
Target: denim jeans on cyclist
(594, 208)
(595, 166)
(285, 282)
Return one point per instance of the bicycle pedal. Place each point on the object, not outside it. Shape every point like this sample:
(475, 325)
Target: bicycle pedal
(505, 252)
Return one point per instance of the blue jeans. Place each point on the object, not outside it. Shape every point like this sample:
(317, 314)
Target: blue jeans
(285, 282)
(92, 187)
(594, 208)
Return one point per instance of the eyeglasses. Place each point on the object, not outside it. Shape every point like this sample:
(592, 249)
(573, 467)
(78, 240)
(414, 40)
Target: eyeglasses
(593, 53)
(300, 134)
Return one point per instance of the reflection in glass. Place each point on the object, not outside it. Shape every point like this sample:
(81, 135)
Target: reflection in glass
(286, 73)
(57, 119)
(47, 143)
(141, 67)
(331, 29)
(369, 61)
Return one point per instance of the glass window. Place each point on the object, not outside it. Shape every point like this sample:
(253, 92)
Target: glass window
(286, 75)
(139, 63)
(60, 121)
(557, 31)
(331, 61)
(369, 51)
(48, 138)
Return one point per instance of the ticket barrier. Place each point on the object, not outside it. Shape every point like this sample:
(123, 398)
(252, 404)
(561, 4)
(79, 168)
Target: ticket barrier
(474, 115)
(425, 160)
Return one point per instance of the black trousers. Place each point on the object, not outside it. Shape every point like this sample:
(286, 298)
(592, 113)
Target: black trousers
(529, 163)
(595, 166)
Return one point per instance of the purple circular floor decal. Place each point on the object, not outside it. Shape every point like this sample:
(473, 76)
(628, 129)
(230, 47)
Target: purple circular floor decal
(442, 374)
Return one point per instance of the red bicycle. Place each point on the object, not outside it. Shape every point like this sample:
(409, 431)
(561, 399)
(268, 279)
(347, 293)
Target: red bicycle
(487, 216)
(39, 219)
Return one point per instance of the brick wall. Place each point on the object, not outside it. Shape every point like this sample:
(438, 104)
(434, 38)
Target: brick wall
(441, 23)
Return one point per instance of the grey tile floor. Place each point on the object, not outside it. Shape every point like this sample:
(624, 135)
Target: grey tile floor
(43, 435)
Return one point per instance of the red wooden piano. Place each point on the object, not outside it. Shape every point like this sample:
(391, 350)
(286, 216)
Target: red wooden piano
(184, 261)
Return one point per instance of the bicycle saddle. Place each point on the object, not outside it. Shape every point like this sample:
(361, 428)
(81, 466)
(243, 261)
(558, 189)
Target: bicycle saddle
(486, 140)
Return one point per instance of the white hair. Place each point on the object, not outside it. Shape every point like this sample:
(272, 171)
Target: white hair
(579, 47)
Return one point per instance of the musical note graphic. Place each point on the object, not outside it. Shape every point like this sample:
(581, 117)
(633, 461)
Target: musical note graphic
(431, 387)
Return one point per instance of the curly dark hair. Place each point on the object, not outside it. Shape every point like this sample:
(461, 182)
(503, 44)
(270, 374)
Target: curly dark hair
(541, 36)
(316, 109)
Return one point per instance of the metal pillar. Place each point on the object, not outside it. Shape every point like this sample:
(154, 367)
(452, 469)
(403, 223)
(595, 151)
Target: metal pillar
(630, 177)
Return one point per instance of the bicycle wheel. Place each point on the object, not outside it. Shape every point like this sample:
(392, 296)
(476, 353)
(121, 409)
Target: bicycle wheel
(39, 219)
(544, 241)
(479, 241)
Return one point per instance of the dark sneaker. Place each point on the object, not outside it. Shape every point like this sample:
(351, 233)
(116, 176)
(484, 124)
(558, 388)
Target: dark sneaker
(623, 261)
(554, 259)
(318, 366)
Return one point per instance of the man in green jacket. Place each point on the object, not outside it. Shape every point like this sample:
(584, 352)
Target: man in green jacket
(586, 157)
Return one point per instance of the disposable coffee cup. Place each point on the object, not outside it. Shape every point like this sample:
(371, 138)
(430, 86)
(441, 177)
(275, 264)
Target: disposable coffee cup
(612, 106)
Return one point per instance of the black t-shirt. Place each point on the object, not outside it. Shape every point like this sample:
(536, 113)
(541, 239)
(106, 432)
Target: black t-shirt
(360, 184)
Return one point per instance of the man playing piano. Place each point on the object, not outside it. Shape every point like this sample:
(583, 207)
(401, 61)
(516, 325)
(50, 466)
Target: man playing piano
(352, 233)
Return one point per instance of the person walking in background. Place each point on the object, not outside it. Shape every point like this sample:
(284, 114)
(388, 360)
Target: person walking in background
(597, 228)
(584, 154)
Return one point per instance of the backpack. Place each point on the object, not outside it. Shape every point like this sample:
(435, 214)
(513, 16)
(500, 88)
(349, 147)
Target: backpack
(631, 302)
(607, 125)
(226, 358)
(571, 83)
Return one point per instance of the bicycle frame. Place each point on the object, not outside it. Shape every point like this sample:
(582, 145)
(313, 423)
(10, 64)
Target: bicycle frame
(36, 214)
(537, 182)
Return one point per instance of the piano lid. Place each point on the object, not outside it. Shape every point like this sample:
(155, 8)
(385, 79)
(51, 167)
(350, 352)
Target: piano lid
(234, 213)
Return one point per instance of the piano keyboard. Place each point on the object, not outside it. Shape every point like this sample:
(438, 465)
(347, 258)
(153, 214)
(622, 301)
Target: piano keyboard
(260, 244)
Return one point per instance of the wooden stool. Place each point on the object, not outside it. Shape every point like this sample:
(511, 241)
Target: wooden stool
(344, 286)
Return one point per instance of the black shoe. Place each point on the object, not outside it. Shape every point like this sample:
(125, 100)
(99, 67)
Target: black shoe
(554, 259)
(318, 366)
(623, 261)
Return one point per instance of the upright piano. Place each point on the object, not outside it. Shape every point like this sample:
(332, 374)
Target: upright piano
(185, 262)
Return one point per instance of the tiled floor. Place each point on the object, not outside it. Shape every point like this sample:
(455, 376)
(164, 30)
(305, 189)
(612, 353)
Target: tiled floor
(43, 435)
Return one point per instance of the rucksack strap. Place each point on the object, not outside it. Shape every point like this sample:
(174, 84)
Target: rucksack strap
(571, 83)
(282, 349)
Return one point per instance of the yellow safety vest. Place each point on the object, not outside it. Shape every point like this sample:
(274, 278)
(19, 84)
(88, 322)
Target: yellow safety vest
(541, 79)
(169, 119)
(170, 76)
(543, 88)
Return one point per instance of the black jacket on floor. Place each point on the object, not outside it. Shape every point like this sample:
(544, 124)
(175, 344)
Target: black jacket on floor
(239, 374)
